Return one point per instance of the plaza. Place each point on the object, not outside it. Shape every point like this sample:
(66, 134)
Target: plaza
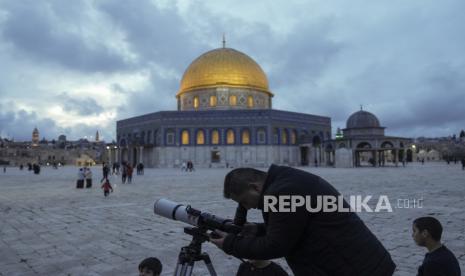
(47, 227)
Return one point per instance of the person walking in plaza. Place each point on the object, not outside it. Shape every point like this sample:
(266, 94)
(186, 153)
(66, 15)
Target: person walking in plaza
(129, 171)
(190, 166)
(140, 169)
(105, 171)
(113, 169)
(463, 163)
(36, 168)
(106, 186)
(80, 180)
(124, 173)
(427, 232)
(88, 174)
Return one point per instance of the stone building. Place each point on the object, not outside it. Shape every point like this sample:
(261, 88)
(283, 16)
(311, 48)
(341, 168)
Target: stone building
(224, 118)
(363, 143)
(45, 152)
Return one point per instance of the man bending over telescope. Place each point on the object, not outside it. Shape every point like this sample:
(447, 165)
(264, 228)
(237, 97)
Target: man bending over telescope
(313, 243)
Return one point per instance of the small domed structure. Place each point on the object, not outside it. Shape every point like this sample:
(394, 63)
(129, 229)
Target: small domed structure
(362, 119)
(363, 123)
(368, 146)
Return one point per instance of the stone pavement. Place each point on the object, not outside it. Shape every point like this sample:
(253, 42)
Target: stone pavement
(47, 227)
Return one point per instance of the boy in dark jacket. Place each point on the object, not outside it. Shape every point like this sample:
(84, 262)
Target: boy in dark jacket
(439, 260)
(150, 267)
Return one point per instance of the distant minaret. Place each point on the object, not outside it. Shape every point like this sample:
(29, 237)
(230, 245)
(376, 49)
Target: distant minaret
(224, 41)
(97, 137)
(35, 137)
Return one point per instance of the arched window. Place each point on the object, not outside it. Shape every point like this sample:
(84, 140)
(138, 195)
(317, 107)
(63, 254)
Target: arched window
(230, 137)
(213, 100)
(233, 100)
(185, 137)
(200, 137)
(275, 136)
(196, 102)
(170, 137)
(249, 101)
(284, 137)
(293, 137)
(215, 137)
(245, 137)
(261, 136)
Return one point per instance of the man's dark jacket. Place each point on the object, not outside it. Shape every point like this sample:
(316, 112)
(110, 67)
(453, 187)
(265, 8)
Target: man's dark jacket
(335, 243)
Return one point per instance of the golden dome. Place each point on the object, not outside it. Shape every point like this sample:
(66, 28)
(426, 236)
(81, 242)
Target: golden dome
(224, 67)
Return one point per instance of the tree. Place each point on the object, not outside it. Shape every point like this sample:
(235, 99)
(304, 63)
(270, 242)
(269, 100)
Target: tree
(462, 134)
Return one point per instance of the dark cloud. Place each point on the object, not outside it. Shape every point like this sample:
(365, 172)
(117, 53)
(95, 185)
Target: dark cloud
(19, 125)
(160, 95)
(51, 32)
(88, 131)
(403, 62)
(159, 36)
(84, 106)
(437, 104)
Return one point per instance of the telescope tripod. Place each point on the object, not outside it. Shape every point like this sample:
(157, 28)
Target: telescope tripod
(193, 253)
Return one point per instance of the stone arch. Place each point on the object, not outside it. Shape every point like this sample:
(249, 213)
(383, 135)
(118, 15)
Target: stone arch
(387, 145)
(364, 145)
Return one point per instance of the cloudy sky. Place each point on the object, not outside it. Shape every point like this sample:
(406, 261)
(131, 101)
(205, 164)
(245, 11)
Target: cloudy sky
(75, 67)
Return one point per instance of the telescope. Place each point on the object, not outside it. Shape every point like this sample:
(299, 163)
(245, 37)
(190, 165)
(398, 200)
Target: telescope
(202, 222)
(175, 211)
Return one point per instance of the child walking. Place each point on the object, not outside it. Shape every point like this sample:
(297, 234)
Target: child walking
(106, 186)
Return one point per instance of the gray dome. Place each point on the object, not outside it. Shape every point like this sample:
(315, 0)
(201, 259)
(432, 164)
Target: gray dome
(362, 119)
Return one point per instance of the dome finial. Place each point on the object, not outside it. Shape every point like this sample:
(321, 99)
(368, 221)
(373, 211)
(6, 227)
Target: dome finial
(224, 41)
(361, 107)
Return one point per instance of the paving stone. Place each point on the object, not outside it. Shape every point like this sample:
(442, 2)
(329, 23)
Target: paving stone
(50, 228)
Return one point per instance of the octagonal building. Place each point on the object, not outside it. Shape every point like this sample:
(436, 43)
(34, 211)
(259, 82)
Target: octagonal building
(224, 118)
